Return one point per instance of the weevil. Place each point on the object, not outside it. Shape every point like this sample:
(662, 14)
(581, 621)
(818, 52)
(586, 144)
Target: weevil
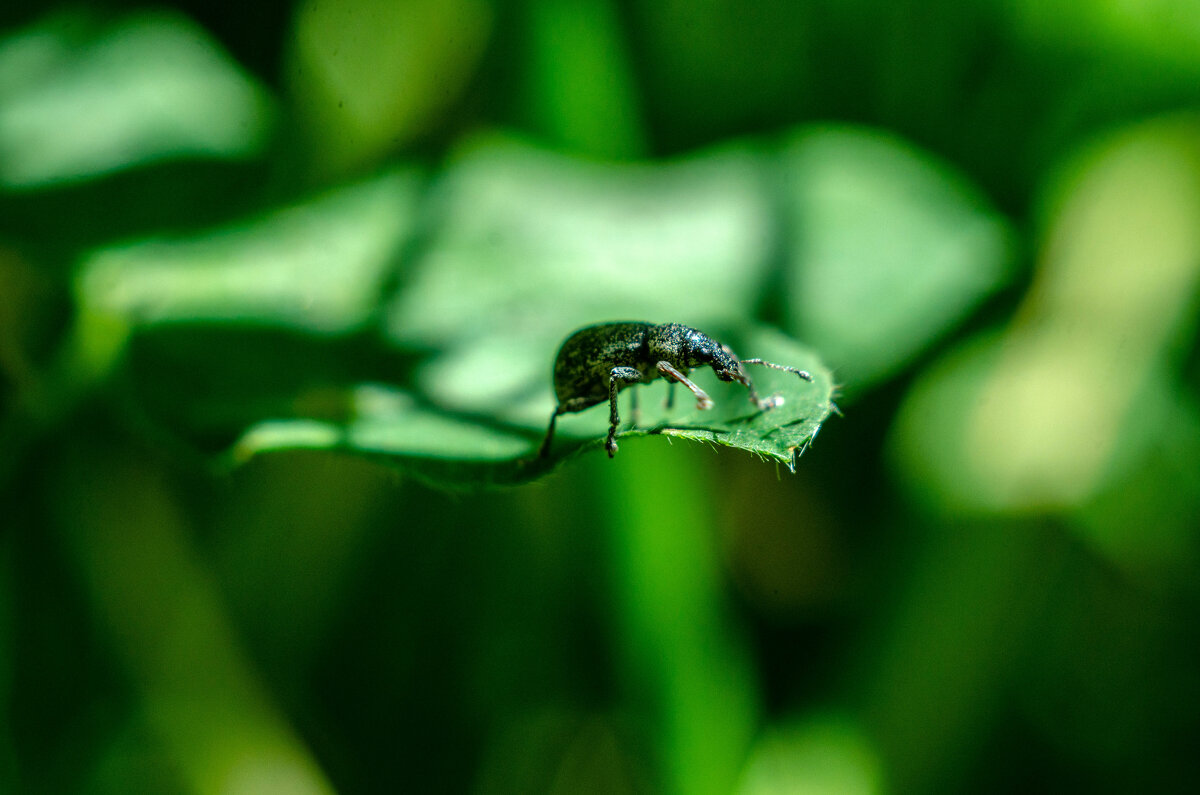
(597, 362)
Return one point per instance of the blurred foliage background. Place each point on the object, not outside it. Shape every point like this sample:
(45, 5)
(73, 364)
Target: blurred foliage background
(280, 287)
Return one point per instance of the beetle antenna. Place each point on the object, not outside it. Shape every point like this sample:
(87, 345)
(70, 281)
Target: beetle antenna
(804, 374)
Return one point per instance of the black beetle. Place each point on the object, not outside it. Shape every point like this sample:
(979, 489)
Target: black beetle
(598, 361)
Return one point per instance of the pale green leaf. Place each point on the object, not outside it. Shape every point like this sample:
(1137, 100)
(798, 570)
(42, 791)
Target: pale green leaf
(891, 250)
(78, 99)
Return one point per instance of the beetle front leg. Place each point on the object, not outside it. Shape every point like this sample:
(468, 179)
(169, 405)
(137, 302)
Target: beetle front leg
(617, 377)
(703, 401)
(762, 404)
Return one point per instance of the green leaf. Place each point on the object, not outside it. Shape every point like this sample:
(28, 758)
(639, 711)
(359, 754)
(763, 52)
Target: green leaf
(393, 425)
(579, 90)
(891, 251)
(1074, 408)
(262, 318)
(370, 75)
(534, 244)
(318, 267)
(830, 753)
(78, 99)
(286, 325)
(535, 241)
(781, 434)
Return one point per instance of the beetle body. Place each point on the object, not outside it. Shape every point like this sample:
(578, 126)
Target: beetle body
(596, 362)
(584, 365)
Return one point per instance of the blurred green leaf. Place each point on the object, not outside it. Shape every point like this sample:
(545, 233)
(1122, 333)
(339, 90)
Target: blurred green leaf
(79, 98)
(534, 245)
(891, 249)
(824, 755)
(1031, 421)
(532, 239)
(670, 611)
(391, 424)
(266, 318)
(370, 75)
(1142, 518)
(580, 91)
(1161, 31)
(318, 267)
(149, 589)
(530, 246)
(927, 437)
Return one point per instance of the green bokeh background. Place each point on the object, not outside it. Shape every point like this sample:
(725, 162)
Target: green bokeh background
(280, 288)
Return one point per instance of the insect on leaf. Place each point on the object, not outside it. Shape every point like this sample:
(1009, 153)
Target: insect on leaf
(782, 433)
(455, 450)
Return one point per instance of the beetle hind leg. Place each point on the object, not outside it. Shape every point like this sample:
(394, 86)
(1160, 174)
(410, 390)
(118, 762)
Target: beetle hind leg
(545, 448)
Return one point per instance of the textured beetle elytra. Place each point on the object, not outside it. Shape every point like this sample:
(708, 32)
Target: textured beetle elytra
(597, 362)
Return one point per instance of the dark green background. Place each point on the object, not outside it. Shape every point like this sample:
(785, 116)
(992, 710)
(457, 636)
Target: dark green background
(280, 289)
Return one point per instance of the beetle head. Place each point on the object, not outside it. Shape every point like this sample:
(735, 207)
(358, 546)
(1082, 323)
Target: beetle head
(723, 361)
(728, 367)
(691, 347)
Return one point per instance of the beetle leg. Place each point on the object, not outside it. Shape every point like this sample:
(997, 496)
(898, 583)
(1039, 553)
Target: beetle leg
(703, 401)
(567, 407)
(617, 378)
(545, 448)
(774, 400)
(670, 394)
(762, 404)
